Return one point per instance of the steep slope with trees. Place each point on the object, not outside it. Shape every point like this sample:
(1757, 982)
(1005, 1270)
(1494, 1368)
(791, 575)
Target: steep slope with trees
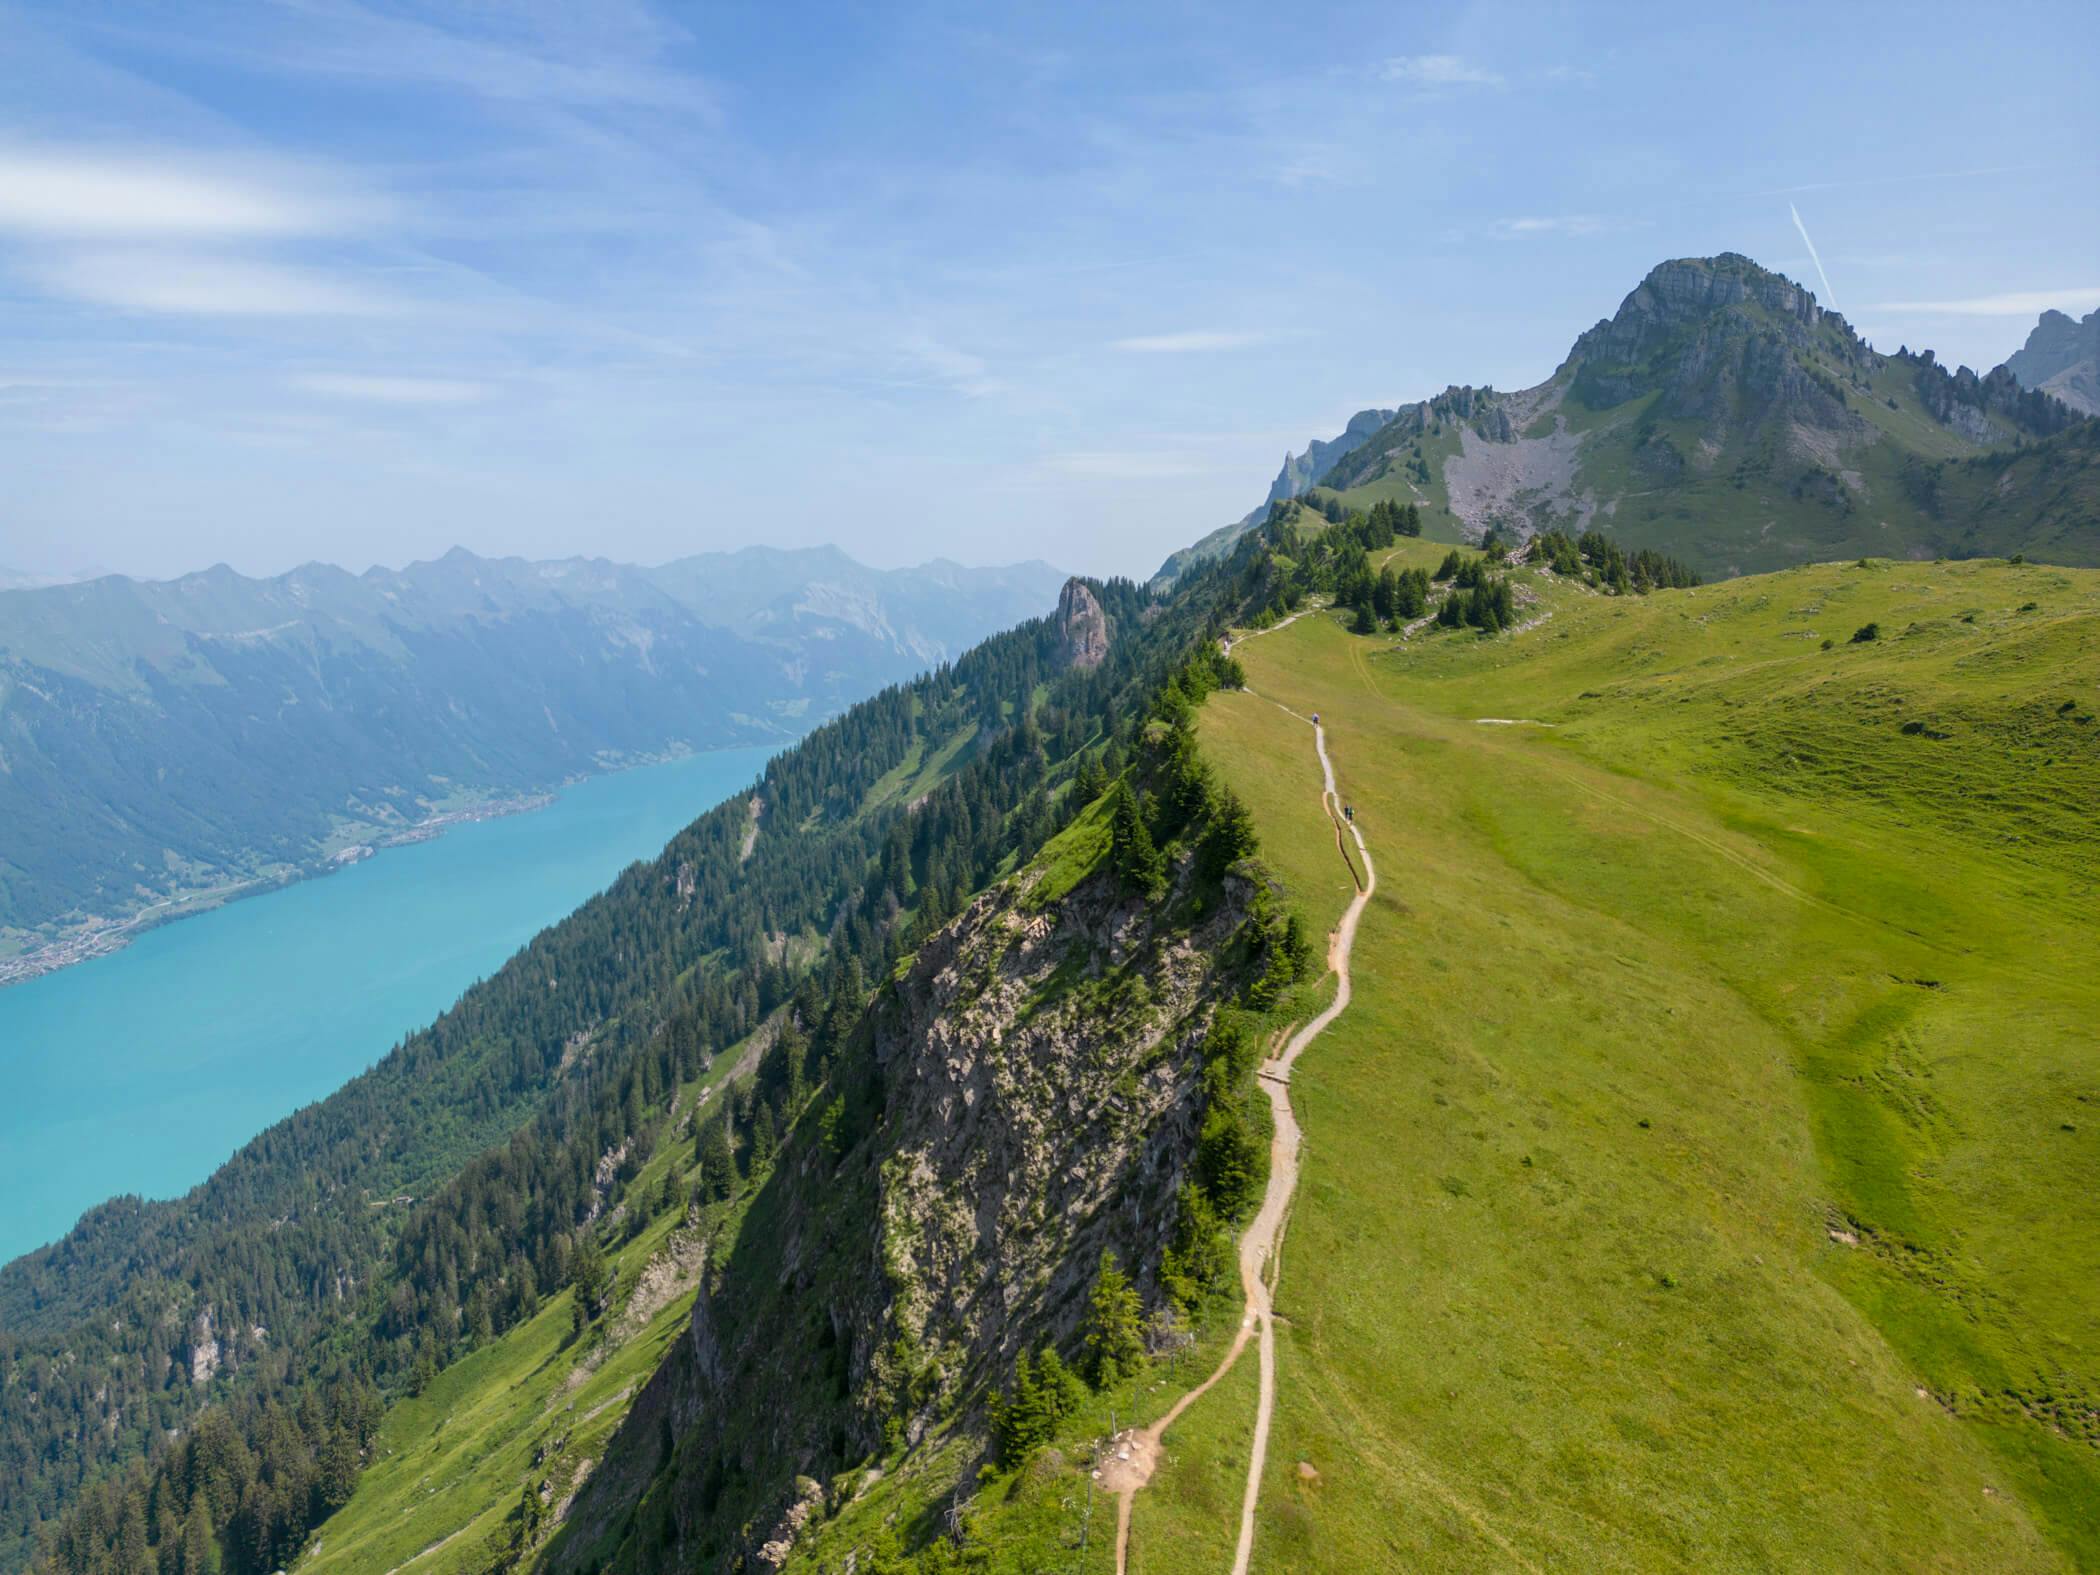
(343, 1217)
(334, 1255)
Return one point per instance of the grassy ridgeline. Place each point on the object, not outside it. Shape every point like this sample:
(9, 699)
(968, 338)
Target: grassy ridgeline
(1705, 1174)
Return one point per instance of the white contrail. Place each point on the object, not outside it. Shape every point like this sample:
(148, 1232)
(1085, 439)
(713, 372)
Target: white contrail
(1829, 295)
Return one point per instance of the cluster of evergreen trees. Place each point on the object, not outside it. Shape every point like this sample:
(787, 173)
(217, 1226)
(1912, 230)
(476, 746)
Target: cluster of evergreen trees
(1383, 521)
(1596, 558)
(233, 1497)
(1478, 597)
(1045, 1391)
(1333, 558)
(1393, 599)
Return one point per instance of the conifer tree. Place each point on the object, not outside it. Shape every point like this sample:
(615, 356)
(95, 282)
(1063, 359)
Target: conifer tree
(765, 1140)
(1059, 1386)
(200, 1547)
(1136, 861)
(1018, 1423)
(589, 1275)
(1231, 837)
(1089, 781)
(718, 1177)
(1229, 1158)
(1200, 1255)
(1115, 1327)
(1385, 595)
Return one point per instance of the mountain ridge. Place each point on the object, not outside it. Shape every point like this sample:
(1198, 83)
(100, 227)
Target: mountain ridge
(223, 730)
(1723, 415)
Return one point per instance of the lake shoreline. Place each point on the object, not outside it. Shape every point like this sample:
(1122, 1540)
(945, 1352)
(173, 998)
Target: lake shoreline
(142, 1074)
(103, 935)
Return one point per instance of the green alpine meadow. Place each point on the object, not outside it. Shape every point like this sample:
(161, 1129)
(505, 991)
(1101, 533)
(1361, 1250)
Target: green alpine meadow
(692, 882)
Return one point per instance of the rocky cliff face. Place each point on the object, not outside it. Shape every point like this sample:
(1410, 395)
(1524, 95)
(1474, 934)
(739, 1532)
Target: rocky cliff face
(1029, 1092)
(1978, 407)
(2062, 357)
(1082, 625)
(1043, 1076)
(1309, 469)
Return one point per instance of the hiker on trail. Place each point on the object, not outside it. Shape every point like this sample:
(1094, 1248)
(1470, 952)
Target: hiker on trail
(1316, 719)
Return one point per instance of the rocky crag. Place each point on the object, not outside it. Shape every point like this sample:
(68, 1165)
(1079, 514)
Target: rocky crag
(1082, 626)
(2062, 357)
(1029, 1094)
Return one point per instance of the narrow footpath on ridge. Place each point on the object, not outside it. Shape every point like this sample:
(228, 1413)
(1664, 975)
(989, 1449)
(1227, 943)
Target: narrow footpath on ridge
(1134, 1454)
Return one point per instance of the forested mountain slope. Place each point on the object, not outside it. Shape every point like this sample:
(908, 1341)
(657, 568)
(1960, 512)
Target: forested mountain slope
(170, 739)
(333, 1258)
(1724, 417)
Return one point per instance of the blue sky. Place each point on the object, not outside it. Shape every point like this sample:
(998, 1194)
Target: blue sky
(357, 280)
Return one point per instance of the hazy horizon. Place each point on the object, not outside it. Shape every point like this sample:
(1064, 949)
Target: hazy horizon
(36, 580)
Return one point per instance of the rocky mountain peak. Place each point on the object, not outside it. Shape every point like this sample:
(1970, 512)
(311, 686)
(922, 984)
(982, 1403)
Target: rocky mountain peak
(2062, 357)
(1722, 338)
(1082, 625)
(1687, 292)
(1303, 471)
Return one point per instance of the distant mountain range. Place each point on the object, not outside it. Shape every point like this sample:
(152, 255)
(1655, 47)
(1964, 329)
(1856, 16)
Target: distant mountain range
(168, 739)
(1723, 416)
(2062, 357)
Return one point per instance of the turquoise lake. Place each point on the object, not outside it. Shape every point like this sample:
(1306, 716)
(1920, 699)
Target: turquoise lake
(142, 1071)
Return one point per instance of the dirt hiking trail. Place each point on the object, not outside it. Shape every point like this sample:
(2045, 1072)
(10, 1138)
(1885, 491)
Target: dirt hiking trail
(1134, 1453)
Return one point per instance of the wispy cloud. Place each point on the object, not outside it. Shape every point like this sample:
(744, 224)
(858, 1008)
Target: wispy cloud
(1439, 71)
(1327, 165)
(202, 284)
(1195, 341)
(1829, 295)
(2012, 303)
(182, 234)
(605, 55)
(1555, 224)
(391, 390)
(968, 374)
(77, 193)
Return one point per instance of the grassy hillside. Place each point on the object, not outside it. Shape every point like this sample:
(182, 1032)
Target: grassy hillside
(1704, 1176)
(1908, 487)
(452, 1466)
